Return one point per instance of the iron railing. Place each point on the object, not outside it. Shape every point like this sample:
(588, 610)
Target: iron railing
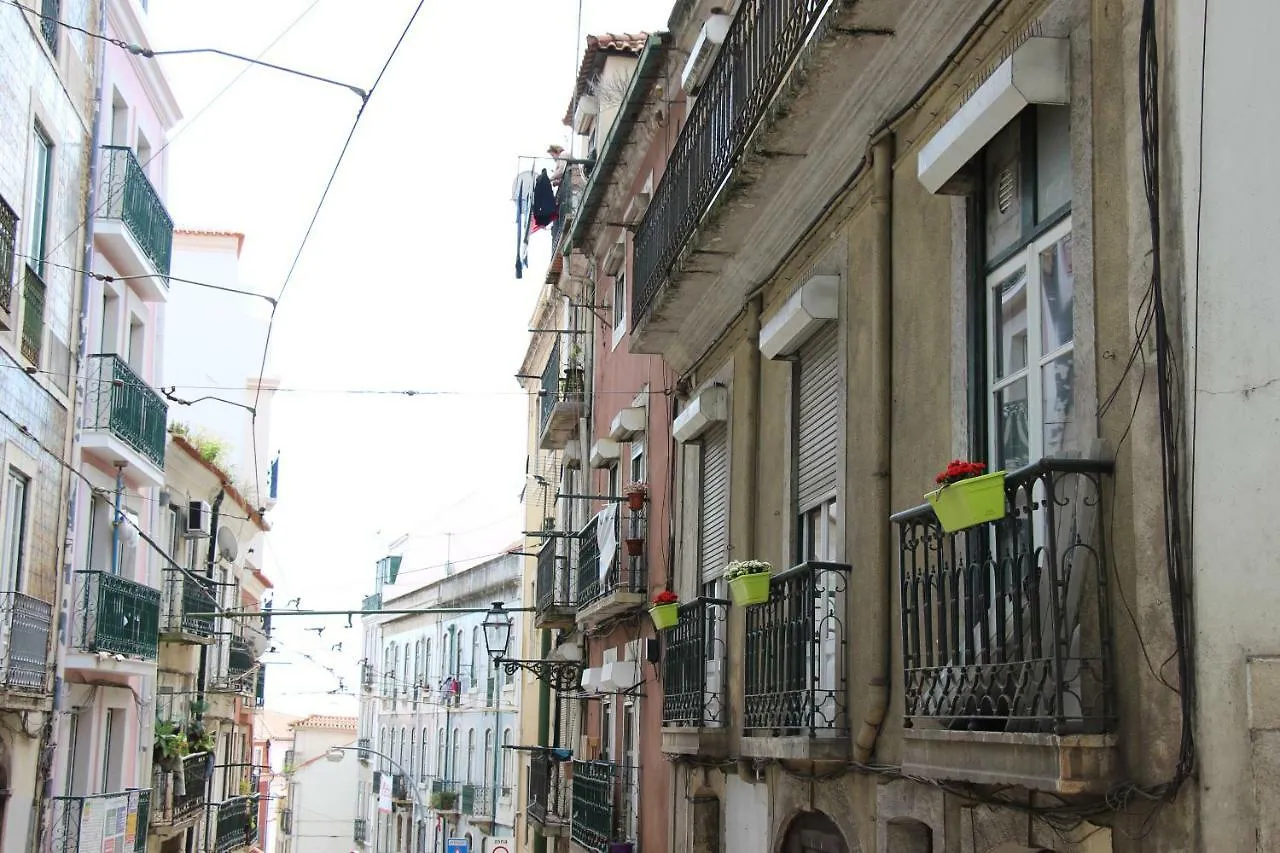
(560, 384)
(364, 747)
(50, 15)
(239, 657)
(118, 400)
(127, 195)
(567, 196)
(366, 676)
(547, 800)
(33, 291)
(623, 574)
(88, 824)
(763, 41)
(27, 624)
(180, 794)
(602, 803)
(260, 687)
(189, 605)
(553, 579)
(237, 824)
(1005, 626)
(371, 603)
(448, 795)
(8, 242)
(693, 676)
(795, 655)
(117, 616)
(359, 830)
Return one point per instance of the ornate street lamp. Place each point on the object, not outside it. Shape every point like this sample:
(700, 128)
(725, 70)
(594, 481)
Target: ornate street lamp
(559, 675)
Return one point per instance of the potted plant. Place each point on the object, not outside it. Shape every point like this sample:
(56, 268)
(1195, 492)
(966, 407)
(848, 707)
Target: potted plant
(635, 494)
(169, 750)
(443, 801)
(573, 383)
(665, 611)
(748, 581)
(635, 547)
(966, 496)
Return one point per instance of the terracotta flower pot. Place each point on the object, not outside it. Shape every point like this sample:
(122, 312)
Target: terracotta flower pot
(635, 500)
(635, 547)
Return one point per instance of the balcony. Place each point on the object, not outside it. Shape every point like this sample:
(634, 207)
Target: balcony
(449, 797)
(366, 676)
(602, 803)
(560, 402)
(8, 244)
(610, 584)
(485, 804)
(694, 680)
(240, 659)
(25, 625)
(567, 196)
(548, 794)
(188, 608)
(125, 420)
(1006, 637)
(133, 229)
(33, 291)
(371, 603)
(180, 794)
(236, 824)
(796, 704)
(363, 750)
(555, 607)
(101, 822)
(116, 616)
(359, 830)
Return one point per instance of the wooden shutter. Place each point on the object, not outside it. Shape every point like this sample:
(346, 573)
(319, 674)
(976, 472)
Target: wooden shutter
(713, 523)
(818, 418)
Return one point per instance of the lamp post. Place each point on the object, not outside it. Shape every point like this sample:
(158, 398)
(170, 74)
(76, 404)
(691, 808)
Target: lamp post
(560, 675)
(337, 753)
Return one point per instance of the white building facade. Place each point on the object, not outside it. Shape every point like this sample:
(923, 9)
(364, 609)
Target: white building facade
(434, 704)
(319, 807)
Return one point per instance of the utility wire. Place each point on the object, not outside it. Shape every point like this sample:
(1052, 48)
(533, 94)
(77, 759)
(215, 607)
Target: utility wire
(106, 277)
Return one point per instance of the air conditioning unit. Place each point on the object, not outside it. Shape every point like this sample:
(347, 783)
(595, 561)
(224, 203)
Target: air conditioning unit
(199, 522)
(704, 52)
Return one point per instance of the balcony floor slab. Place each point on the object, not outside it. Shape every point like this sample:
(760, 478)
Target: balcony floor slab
(561, 425)
(701, 742)
(609, 605)
(104, 446)
(19, 700)
(797, 748)
(555, 617)
(118, 245)
(93, 668)
(1061, 764)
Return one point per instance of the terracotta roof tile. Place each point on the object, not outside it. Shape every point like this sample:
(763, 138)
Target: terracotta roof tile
(204, 232)
(325, 721)
(599, 47)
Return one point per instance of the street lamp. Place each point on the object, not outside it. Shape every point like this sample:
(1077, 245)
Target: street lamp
(559, 675)
(337, 753)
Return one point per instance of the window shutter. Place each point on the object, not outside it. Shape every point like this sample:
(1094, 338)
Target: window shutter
(713, 526)
(818, 418)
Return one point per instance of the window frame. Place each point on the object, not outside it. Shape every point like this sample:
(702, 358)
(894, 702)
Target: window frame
(618, 313)
(17, 464)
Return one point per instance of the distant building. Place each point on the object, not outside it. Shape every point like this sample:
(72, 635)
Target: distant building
(272, 737)
(318, 810)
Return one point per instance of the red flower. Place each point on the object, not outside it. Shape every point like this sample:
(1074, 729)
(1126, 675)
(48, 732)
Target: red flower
(666, 597)
(959, 469)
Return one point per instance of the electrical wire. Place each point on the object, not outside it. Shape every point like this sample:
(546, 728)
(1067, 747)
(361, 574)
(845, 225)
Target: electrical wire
(106, 277)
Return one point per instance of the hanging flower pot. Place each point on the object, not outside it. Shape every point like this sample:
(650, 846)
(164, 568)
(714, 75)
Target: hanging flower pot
(748, 581)
(665, 611)
(636, 494)
(635, 547)
(967, 497)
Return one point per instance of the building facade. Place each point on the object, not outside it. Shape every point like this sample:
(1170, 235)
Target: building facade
(319, 807)
(437, 717)
(272, 738)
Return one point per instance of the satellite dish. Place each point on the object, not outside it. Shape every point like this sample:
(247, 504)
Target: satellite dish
(228, 547)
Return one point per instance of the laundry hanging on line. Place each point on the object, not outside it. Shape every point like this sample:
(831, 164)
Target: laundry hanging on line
(545, 209)
(522, 194)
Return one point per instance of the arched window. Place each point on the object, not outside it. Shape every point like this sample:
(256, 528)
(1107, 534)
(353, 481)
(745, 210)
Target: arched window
(488, 768)
(441, 746)
(382, 743)
(455, 773)
(476, 656)
(395, 666)
(413, 753)
(406, 674)
(388, 669)
(426, 753)
(417, 663)
(471, 755)
(404, 736)
(426, 663)
(508, 758)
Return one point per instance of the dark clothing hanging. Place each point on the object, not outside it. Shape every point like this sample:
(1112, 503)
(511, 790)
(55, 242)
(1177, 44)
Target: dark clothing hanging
(545, 210)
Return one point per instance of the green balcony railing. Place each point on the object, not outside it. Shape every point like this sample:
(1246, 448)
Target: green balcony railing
(117, 400)
(101, 821)
(32, 314)
(128, 195)
(601, 803)
(117, 616)
(189, 605)
(236, 824)
(8, 239)
(240, 660)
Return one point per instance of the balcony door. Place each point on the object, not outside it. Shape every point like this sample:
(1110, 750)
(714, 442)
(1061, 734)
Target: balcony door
(814, 832)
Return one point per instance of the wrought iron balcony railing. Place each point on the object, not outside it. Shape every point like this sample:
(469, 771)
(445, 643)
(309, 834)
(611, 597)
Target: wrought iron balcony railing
(33, 291)
(89, 824)
(448, 795)
(602, 809)
(763, 41)
(8, 242)
(693, 676)
(553, 580)
(360, 830)
(49, 10)
(236, 824)
(364, 746)
(1005, 626)
(795, 655)
(548, 799)
(622, 574)
(118, 400)
(188, 605)
(25, 653)
(561, 395)
(567, 195)
(240, 657)
(260, 687)
(366, 676)
(116, 615)
(371, 603)
(180, 794)
(127, 195)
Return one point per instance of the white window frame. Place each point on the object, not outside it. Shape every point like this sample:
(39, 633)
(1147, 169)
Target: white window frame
(14, 460)
(619, 308)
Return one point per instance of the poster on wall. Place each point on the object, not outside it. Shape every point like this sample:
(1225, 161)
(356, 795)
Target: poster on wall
(384, 794)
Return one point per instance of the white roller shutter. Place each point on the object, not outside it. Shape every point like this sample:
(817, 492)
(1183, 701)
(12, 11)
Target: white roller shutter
(818, 418)
(713, 522)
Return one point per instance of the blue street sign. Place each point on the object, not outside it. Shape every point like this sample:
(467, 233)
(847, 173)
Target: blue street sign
(456, 845)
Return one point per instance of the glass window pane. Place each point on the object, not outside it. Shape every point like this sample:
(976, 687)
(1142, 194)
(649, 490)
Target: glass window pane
(40, 206)
(1058, 380)
(1053, 159)
(1013, 434)
(1057, 292)
(1010, 313)
(1003, 191)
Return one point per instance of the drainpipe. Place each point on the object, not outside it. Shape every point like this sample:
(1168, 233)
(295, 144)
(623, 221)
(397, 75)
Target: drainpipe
(881, 402)
(751, 400)
(42, 826)
(544, 727)
(116, 517)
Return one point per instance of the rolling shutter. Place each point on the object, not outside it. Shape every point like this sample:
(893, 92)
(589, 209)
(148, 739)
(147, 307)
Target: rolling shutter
(818, 418)
(713, 525)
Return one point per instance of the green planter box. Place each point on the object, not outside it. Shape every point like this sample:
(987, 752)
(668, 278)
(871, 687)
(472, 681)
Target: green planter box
(969, 502)
(664, 615)
(750, 589)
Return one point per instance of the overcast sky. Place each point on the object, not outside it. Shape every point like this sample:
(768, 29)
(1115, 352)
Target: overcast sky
(407, 281)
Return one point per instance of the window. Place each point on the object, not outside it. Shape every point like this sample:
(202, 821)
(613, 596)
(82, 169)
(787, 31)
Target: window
(471, 755)
(51, 11)
(441, 747)
(404, 756)
(406, 680)
(454, 770)
(476, 657)
(606, 729)
(16, 488)
(613, 488)
(417, 664)
(1028, 291)
(638, 467)
(41, 182)
(488, 768)
(426, 663)
(426, 753)
(713, 508)
(508, 759)
(816, 441)
(619, 307)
